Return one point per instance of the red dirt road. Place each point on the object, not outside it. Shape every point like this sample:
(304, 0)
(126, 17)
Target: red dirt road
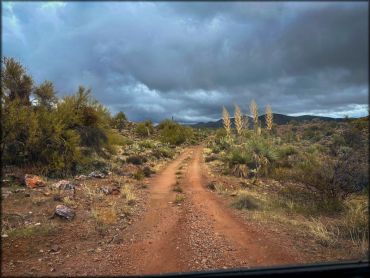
(201, 233)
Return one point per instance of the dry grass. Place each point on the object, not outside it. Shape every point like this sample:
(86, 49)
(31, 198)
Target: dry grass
(105, 216)
(324, 234)
(127, 192)
(254, 112)
(31, 230)
(268, 117)
(226, 121)
(238, 120)
(68, 201)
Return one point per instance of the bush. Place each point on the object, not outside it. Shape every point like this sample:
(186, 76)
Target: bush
(119, 121)
(163, 152)
(139, 174)
(147, 171)
(136, 160)
(144, 129)
(173, 133)
(245, 202)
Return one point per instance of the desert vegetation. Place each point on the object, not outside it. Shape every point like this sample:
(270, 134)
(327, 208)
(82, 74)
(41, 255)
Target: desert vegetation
(313, 172)
(70, 166)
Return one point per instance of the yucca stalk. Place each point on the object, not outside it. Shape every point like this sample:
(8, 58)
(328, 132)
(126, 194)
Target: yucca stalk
(226, 121)
(238, 120)
(268, 117)
(254, 112)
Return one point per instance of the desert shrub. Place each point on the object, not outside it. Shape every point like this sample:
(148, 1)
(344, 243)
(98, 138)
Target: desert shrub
(147, 171)
(173, 133)
(163, 152)
(144, 129)
(119, 121)
(244, 201)
(355, 224)
(330, 179)
(211, 157)
(147, 144)
(116, 139)
(336, 142)
(127, 192)
(136, 159)
(179, 198)
(323, 233)
(49, 133)
(139, 174)
(352, 137)
(105, 216)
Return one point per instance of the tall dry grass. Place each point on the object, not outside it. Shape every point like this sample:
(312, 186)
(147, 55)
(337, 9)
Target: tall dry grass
(238, 120)
(254, 112)
(268, 117)
(226, 121)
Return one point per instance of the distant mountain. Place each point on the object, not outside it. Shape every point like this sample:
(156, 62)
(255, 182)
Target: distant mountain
(279, 119)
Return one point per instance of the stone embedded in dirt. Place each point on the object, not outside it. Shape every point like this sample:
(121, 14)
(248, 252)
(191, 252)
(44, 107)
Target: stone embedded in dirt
(107, 190)
(97, 174)
(64, 185)
(54, 248)
(64, 212)
(81, 177)
(33, 181)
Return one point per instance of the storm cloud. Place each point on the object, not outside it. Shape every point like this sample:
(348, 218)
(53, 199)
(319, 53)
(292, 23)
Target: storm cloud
(187, 60)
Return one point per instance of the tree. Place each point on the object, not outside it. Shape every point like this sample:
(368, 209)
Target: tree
(45, 95)
(16, 83)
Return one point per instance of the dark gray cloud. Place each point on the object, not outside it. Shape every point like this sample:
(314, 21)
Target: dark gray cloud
(157, 60)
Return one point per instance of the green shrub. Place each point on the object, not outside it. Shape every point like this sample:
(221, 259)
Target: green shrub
(165, 152)
(139, 174)
(119, 121)
(144, 129)
(136, 160)
(173, 133)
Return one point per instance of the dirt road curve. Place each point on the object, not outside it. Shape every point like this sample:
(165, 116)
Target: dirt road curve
(201, 233)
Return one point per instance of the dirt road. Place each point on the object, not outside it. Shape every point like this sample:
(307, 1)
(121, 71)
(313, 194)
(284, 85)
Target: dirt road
(201, 233)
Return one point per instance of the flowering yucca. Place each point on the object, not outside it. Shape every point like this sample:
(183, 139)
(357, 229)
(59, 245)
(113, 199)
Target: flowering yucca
(226, 121)
(268, 117)
(254, 112)
(238, 120)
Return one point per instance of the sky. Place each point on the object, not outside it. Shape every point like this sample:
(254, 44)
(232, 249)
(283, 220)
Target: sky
(157, 60)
